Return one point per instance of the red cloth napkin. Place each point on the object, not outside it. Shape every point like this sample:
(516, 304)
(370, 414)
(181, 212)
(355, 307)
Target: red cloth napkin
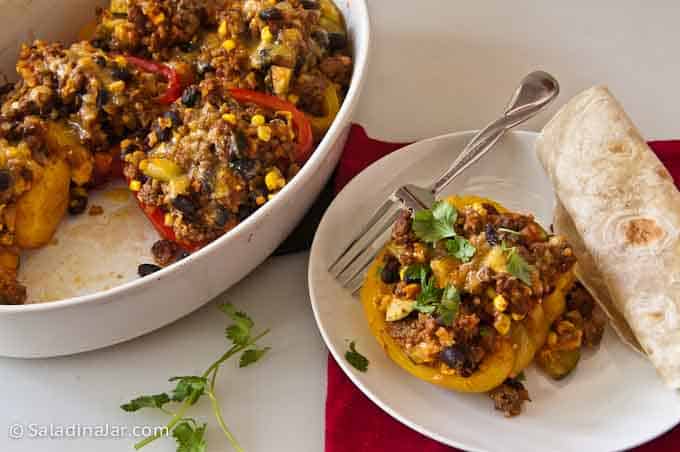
(353, 422)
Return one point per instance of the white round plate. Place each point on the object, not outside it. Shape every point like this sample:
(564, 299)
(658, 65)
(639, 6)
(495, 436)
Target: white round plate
(612, 401)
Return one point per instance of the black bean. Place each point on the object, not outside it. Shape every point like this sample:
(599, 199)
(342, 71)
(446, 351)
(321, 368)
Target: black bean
(453, 357)
(100, 44)
(203, 68)
(321, 37)
(77, 202)
(129, 148)
(309, 4)
(100, 60)
(173, 117)
(188, 46)
(185, 205)
(5, 179)
(162, 133)
(337, 41)
(491, 234)
(244, 211)
(264, 58)
(222, 216)
(102, 98)
(246, 168)
(121, 73)
(271, 14)
(238, 145)
(390, 271)
(190, 96)
(146, 269)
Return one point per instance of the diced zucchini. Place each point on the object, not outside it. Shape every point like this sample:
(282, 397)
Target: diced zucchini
(281, 79)
(399, 309)
(558, 363)
(495, 259)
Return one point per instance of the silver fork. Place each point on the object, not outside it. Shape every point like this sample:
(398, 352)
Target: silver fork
(534, 93)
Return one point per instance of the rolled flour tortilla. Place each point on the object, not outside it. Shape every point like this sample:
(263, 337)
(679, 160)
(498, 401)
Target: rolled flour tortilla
(619, 204)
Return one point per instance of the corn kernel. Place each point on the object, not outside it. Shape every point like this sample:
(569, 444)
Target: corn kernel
(229, 117)
(167, 219)
(260, 200)
(266, 35)
(120, 60)
(117, 87)
(500, 303)
(552, 338)
(135, 185)
(257, 120)
(270, 196)
(229, 45)
(402, 273)
(143, 165)
(159, 19)
(274, 180)
(264, 133)
(502, 324)
(222, 30)
(517, 317)
(479, 208)
(490, 292)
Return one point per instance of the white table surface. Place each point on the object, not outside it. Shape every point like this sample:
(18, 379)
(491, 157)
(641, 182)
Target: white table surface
(437, 66)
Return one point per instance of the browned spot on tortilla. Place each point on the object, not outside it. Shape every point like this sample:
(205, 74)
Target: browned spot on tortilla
(642, 231)
(663, 173)
(657, 315)
(616, 147)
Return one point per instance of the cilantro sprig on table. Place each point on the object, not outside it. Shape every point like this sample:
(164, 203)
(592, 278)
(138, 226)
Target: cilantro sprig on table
(356, 359)
(437, 223)
(187, 432)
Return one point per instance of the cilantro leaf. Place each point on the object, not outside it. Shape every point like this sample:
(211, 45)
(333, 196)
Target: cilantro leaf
(239, 331)
(417, 272)
(521, 377)
(252, 356)
(147, 401)
(428, 297)
(356, 359)
(188, 388)
(518, 267)
(448, 308)
(190, 438)
(460, 248)
(435, 224)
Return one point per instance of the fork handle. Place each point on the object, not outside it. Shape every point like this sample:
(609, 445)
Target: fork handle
(535, 92)
(473, 151)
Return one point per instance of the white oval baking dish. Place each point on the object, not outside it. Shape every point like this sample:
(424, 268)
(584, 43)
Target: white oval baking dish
(130, 309)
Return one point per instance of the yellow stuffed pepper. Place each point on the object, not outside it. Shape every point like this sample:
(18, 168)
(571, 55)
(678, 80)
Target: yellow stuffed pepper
(464, 294)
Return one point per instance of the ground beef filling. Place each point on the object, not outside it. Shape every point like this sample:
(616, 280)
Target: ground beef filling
(509, 397)
(209, 164)
(460, 346)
